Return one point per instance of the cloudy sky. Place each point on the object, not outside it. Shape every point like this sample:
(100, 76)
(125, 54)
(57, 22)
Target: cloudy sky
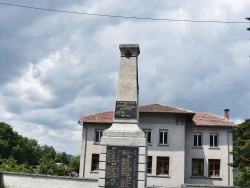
(56, 67)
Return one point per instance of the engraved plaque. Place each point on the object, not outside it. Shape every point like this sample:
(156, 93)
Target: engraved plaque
(121, 167)
(125, 109)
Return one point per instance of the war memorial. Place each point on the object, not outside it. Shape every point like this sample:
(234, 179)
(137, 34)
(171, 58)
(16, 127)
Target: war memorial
(123, 156)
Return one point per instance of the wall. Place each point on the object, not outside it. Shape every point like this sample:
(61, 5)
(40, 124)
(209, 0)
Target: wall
(206, 153)
(91, 148)
(207, 186)
(179, 150)
(174, 149)
(15, 180)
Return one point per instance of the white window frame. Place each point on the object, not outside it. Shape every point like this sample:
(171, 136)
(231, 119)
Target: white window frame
(98, 135)
(147, 133)
(163, 139)
(197, 134)
(213, 140)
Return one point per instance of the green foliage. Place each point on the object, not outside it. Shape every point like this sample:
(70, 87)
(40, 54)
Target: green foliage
(21, 154)
(11, 165)
(48, 166)
(241, 152)
(75, 163)
(61, 158)
(243, 178)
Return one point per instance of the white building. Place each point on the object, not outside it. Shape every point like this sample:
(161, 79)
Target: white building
(183, 146)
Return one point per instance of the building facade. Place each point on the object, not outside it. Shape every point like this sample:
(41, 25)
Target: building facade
(183, 146)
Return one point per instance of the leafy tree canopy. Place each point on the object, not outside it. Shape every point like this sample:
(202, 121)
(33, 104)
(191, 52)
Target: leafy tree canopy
(241, 152)
(21, 154)
(75, 163)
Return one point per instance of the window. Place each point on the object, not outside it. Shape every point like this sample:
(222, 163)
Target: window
(197, 167)
(148, 135)
(214, 167)
(98, 135)
(95, 162)
(162, 166)
(149, 168)
(213, 140)
(163, 137)
(197, 139)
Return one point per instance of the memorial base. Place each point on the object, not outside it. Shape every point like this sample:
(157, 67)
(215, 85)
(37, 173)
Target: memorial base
(123, 157)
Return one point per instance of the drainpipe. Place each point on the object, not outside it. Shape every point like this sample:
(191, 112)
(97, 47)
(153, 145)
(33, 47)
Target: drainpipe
(85, 149)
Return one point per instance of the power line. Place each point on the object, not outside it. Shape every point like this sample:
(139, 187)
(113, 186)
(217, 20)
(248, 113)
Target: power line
(124, 17)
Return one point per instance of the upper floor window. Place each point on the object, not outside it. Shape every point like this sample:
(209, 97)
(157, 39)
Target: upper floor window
(214, 167)
(163, 137)
(213, 140)
(95, 162)
(197, 167)
(98, 135)
(197, 139)
(149, 168)
(148, 135)
(162, 167)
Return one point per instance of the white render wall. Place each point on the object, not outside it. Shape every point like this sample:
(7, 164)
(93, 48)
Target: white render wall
(15, 180)
(179, 150)
(91, 148)
(175, 149)
(206, 153)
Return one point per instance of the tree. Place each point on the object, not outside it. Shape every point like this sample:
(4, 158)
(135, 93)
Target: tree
(11, 165)
(241, 152)
(21, 154)
(61, 158)
(75, 163)
(22, 149)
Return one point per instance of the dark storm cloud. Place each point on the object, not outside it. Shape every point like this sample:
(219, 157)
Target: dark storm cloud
(57, 67)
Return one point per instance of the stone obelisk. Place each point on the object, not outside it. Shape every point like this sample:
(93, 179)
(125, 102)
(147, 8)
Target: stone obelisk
(123, 156)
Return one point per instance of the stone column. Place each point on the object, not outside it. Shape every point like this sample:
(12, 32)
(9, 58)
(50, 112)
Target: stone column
(123, 157)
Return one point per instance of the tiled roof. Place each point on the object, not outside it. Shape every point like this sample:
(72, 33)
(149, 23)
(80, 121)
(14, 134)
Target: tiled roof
(103, 117)
(203, 118)
(199, 118)
(156, 107)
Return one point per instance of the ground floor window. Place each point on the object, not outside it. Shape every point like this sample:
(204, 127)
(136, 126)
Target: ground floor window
(149, 168)
(95, 162)
(214, 167)
(162, 166)
(197, 167)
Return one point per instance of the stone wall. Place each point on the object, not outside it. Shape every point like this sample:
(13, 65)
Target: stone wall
(16, 180)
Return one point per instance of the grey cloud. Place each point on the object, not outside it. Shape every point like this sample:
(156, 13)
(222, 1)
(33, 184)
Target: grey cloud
(201, 67)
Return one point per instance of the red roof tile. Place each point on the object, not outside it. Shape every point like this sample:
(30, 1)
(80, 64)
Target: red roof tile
(199, 118)
(203, 118)
(156, 107)
(103, 117)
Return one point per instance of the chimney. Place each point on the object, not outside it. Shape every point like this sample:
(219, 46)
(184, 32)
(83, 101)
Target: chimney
(226, 113)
